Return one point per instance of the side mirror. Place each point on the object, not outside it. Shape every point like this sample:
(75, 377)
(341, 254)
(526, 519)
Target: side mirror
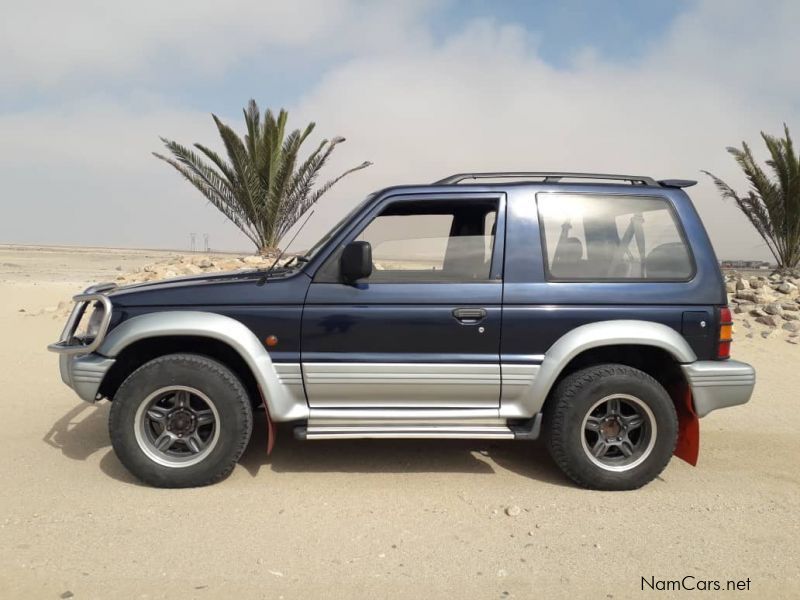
(356, 261)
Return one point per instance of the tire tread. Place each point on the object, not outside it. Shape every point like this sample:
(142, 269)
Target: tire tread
(564, 397)
(207, 364)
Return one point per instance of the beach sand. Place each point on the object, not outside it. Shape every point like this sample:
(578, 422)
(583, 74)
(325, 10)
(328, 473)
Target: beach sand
(371, 519)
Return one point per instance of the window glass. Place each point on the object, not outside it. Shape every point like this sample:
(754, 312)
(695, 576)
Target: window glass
(596, 237)
(432, 241)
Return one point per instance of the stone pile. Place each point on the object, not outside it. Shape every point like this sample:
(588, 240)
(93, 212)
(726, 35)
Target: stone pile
(196, 264)
(767, 305)
(180, 266)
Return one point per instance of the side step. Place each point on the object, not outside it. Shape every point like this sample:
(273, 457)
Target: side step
(320, 431)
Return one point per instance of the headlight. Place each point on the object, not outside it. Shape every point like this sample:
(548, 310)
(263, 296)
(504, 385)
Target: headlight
(95, 321)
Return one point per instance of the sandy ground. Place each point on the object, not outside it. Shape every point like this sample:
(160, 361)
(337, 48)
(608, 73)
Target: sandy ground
(373, 519)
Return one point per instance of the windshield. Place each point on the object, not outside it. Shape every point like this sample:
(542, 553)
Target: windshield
(336, 229)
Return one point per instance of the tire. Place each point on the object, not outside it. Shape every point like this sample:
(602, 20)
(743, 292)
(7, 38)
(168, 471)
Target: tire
(180, 420)
(599, 448)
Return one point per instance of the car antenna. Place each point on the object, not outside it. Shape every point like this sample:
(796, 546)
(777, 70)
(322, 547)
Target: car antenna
(266, 274)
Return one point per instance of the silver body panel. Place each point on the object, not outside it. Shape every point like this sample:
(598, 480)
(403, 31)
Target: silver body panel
(84, 373)
(719, 384)
(406, 385)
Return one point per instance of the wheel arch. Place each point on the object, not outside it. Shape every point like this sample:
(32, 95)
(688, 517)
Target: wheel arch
(622, 341)
(654, 348)
(146, 336)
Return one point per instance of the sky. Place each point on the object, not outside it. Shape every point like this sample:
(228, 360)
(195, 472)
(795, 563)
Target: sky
(421, 89)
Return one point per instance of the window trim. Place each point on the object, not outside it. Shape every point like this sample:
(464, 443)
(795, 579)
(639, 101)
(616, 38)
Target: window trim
(675, 219)
(360, 223)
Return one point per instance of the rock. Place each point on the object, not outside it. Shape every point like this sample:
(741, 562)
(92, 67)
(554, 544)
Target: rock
(757, 312)
(191, 269)
(513, 511)
(790, 306)
(790, 316)
(21, 310)
(756, 282)
(793, 326)
(786, 288)
(744, 307)
(749, 295)
(205, 263)
(730, 287)
(769, 320)
(793, 341)
(764, 298)
(742, 284)
(746, 324)
(770, 333)
(252, 260)
(773, 309)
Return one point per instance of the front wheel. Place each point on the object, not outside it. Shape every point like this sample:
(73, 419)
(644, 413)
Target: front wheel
(180, 420)
(611, 427)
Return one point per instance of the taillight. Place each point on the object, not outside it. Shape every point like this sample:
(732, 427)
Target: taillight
(725, 332)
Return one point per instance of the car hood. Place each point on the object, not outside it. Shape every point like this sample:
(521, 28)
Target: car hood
(226, 288)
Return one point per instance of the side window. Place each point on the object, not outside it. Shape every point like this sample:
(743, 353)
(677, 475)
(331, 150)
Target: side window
(430, 241)
(592, 237)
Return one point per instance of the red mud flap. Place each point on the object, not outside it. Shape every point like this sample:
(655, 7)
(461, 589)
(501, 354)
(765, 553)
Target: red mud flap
(688, 446)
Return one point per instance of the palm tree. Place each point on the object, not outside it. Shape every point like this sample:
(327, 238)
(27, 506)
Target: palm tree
(773, 203)
(263, 188)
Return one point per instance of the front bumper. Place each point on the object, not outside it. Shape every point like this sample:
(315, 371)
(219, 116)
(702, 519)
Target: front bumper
(84, 373)
(719, 384)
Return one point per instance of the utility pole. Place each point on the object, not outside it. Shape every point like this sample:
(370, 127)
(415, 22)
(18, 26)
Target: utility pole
(192, 242)
(205, 243)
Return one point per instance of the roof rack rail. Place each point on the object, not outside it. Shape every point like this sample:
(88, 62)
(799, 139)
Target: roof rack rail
(548, 176)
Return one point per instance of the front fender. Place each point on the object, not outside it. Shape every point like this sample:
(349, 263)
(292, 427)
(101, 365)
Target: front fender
(281, 404)
(586, 337)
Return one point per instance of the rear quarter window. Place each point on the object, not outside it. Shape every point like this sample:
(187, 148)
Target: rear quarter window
(595, 237)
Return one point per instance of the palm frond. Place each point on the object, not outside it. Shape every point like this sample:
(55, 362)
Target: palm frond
(772, 204)
(263, 187)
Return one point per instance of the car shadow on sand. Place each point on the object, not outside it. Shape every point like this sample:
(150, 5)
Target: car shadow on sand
(83, 431)
(479, 457)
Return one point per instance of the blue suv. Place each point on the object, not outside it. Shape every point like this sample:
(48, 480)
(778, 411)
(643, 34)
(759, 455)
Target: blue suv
(585, 308)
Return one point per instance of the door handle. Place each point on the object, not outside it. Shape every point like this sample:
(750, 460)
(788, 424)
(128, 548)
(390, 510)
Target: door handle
(469, 316)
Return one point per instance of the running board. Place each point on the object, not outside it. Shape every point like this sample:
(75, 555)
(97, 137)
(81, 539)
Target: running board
(319, 431)
(327, 432)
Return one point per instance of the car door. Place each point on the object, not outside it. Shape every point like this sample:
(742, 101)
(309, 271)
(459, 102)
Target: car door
(423, 330)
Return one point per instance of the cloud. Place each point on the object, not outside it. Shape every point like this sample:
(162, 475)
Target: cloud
(485, 100)
(420, 106)
(52, 43)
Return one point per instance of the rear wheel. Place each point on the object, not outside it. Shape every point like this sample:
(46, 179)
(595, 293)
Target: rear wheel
(180, 420)
(611, 427)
